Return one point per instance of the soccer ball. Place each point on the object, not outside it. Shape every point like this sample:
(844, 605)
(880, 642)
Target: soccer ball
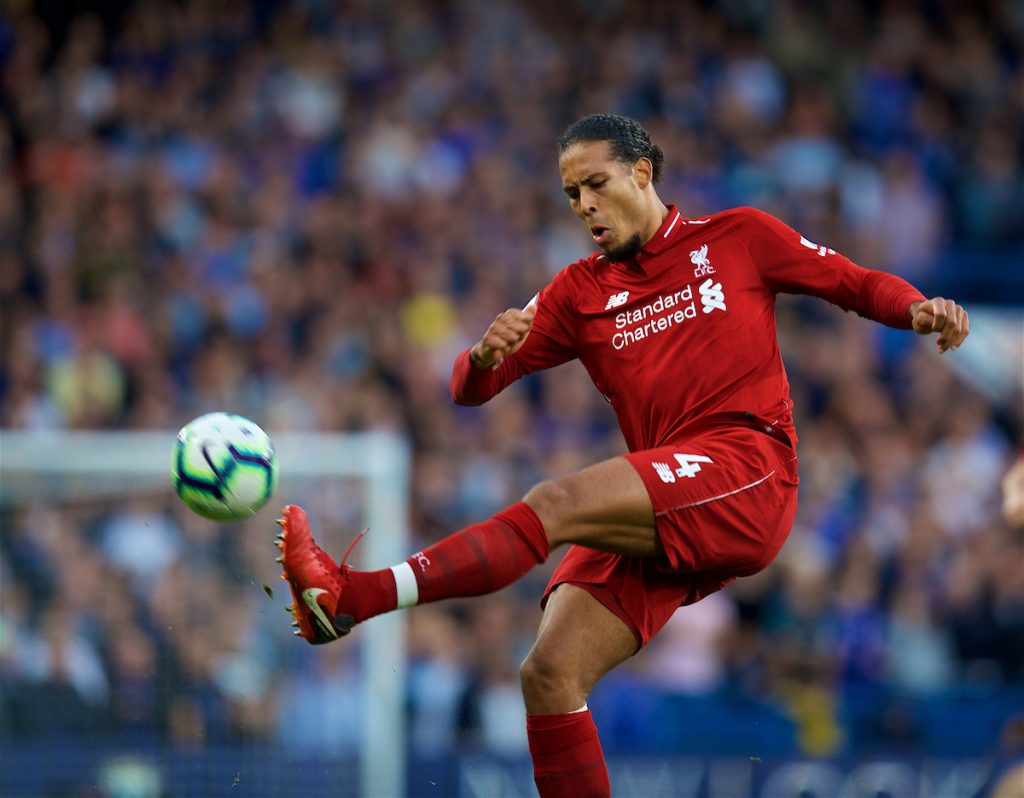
(223, 466)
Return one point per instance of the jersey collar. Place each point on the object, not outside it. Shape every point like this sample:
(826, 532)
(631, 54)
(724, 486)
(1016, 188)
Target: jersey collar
(666, 235)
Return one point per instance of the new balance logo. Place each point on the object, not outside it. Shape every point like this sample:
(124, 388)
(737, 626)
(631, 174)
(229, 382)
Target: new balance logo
(699, 258)
(617, 299)
(689, 467)
(664, 471)
(712, 296)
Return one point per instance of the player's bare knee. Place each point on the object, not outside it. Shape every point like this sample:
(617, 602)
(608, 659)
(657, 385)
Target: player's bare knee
(543, 678)
(554, 502)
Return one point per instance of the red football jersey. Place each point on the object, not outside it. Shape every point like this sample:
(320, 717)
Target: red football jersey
(687, 329)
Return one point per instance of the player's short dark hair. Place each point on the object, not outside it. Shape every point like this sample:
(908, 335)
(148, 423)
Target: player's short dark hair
(628, 139)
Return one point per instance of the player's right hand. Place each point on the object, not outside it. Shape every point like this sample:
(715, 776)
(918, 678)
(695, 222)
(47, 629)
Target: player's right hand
(506, 335)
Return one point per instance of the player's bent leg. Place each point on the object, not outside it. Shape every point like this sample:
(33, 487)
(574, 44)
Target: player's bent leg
(605, 507)
(579, 641)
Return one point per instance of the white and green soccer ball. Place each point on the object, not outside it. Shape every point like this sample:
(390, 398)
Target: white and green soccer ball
(223, 466)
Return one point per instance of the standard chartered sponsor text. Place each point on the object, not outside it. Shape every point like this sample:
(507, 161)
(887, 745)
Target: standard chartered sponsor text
(679, 304)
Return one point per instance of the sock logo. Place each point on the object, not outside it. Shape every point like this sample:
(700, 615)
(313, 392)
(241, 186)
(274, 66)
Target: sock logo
(422, 560)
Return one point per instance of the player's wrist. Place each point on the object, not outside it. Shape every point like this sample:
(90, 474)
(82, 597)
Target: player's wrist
(476, 360)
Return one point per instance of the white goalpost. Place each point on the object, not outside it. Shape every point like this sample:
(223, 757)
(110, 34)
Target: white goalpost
(64, 465)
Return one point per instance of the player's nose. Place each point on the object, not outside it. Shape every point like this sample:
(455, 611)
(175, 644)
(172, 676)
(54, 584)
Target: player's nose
(588, 203)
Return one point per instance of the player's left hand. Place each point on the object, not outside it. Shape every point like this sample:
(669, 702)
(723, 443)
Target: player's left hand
(942, 316)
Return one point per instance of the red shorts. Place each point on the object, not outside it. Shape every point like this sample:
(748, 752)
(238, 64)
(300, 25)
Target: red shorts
(724, 502)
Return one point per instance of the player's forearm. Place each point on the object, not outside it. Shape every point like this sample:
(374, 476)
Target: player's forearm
(875, 295)
(471, 385)
(790, 263)
(887, 298)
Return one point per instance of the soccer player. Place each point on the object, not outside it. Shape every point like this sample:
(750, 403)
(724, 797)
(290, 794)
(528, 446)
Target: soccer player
(674, 321)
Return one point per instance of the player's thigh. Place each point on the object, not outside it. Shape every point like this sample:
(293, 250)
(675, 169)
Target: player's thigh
(579, 641)
(605, 506)
(724, 500)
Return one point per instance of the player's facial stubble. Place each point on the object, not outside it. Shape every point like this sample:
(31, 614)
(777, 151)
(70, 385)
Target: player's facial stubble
(625, 251)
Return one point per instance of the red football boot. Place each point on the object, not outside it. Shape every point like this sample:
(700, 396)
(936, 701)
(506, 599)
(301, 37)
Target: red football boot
(315, 579)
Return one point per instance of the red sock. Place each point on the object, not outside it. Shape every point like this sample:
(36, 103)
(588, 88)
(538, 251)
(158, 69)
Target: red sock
(567, 758)
(479, 559)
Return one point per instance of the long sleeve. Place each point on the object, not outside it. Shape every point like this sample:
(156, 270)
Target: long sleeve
(551, 342)
(470, 385)
(789, 263)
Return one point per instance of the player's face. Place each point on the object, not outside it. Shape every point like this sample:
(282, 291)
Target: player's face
(607, 195)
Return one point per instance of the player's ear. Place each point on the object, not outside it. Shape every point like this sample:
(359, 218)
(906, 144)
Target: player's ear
(643, 172)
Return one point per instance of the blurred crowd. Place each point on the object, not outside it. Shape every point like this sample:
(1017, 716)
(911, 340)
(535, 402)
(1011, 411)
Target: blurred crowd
(302, 211)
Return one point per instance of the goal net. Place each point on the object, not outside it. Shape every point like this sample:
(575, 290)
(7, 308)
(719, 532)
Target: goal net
(130, 560)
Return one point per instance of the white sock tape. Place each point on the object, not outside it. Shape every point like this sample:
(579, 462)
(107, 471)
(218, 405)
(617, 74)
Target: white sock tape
(405, 584)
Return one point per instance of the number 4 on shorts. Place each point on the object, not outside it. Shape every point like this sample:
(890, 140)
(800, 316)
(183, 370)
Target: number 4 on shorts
(689, 464)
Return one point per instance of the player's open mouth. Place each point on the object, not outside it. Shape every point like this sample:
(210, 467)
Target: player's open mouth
(600, 233)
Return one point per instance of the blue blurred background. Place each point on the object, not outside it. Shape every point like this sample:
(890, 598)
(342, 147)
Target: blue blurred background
(302, 211)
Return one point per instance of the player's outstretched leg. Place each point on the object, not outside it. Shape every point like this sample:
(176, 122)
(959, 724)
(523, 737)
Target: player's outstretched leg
(330, 599)
(604, 506)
